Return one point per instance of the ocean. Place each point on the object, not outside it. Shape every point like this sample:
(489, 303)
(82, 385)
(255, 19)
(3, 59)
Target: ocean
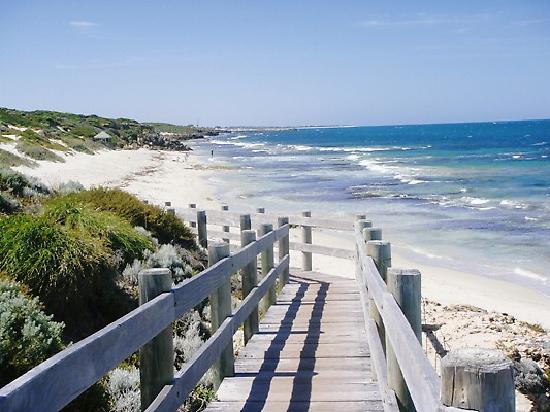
(469, 196)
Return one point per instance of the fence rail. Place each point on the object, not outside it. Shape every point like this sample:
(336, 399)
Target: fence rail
(60, 379)
(406, 378)
(205, 223)
(390, 299)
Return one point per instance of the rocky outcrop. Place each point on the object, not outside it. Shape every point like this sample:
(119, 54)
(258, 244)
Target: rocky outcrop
(170, 141)
(531, 381)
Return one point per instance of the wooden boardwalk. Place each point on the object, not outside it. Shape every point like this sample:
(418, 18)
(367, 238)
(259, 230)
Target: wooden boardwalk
(311, 353)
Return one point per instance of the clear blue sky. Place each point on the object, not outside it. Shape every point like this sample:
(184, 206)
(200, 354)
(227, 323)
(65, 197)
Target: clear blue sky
(278, 62)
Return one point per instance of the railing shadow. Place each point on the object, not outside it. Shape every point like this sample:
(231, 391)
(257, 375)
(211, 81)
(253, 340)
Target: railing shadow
(300, 396)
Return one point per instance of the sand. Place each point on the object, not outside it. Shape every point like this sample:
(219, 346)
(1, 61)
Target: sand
(181, 178)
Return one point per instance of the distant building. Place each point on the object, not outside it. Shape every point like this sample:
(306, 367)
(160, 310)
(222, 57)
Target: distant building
(103, 136)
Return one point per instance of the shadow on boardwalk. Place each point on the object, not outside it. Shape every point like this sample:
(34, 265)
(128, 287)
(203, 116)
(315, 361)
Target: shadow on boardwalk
(302, 378)
(311, 354)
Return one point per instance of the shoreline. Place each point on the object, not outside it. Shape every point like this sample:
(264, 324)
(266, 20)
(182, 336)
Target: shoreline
(186, 177)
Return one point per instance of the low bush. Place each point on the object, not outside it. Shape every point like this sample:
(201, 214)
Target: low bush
(167, 256)
(8, 204)
(70, 186)
(8, 159)
(19, 185)
(37, 152)
(123, 388)
(70, 271)
(163, 226)
(27, 335)
(82, 145)
(119, 235)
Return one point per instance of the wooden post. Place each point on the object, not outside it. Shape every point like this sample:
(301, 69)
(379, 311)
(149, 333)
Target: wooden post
(371, 233)
(201, 228)
(156, 358)
(284, 250)
(220, 308)
(380, 252)
(267, 265)
(224, 227)
(245, 222)
(192, 206)
(249, 281)
(405, 287)
(361, 224)
(478, 379)
(307, 261)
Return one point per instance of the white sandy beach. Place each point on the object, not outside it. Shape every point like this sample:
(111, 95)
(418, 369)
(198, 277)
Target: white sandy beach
(160, 176)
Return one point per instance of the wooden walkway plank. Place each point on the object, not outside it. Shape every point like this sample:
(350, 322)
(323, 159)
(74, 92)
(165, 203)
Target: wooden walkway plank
(311, 353)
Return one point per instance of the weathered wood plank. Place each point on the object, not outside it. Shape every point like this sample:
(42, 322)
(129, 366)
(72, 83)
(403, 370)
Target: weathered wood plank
(322, 250)
(192, 291)
(424, 384)
(286, 406)
(61, 378)
(284, 390)
(306, 353)
(186, 379)
(422, 381)
(291, 365)
(306, 350)
(232, 219)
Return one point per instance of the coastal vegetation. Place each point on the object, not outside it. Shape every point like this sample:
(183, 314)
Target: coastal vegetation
(49, 135)
(68, 267)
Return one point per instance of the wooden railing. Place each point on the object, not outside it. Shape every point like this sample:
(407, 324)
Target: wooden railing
(472, 379)
(60, 379)
(390, 298)
(206, 224)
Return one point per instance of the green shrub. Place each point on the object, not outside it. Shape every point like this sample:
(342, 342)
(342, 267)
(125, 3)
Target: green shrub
(13, 182)
(8, 159)
(8, 204)
(55, 262)
(119, 235)
(19, 185)
(163, 226)
(37, 152)
(71, 271)
(82, 145)
(27, 335)
(85, 131)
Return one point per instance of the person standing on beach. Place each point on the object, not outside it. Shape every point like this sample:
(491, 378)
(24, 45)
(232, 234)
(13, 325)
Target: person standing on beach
(212, 153)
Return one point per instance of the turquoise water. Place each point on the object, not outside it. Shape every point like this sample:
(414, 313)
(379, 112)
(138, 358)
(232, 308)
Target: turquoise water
(473, 196)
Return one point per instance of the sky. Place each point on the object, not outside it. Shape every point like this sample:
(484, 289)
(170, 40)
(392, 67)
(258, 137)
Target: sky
(279, 63)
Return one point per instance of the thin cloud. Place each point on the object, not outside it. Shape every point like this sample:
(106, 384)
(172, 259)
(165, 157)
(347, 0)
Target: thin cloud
(389, 23)
(529, 22)
(425, 19)
(83, 24)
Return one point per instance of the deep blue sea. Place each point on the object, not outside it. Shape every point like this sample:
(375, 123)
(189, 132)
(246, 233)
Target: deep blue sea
(474, 196)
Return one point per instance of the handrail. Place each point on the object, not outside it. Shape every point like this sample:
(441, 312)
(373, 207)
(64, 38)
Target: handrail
(299, 246)
(191, 292)
(423, 383)
(223, 217)
(174, 395)
(61, 378)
